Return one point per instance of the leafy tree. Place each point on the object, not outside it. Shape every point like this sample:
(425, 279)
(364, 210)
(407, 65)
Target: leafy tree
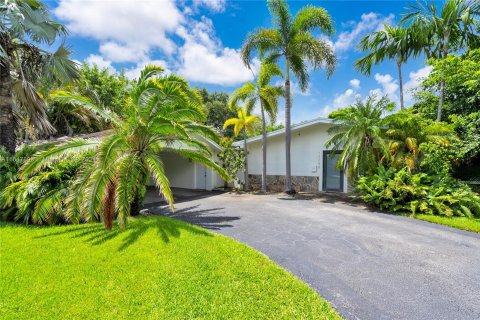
(243, 123)
(393, 43)
(461, 75)
(358, 132)
(162, 115)
(410, 135)
(267, 96)
(216, 107)
(292, 39)
(26, 27)
(448, 29)
(233, 158)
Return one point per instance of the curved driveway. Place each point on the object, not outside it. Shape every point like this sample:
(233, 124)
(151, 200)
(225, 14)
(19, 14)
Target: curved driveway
(368, 265)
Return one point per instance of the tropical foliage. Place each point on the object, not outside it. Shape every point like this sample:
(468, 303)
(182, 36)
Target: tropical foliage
(266, 95)
(25, 28)
(233, 159)
(291, 38)
(243, 123)
(358, 132)
(401, 192)
(163, 115)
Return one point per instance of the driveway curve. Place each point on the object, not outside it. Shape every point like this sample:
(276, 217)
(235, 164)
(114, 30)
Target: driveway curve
(368, 265)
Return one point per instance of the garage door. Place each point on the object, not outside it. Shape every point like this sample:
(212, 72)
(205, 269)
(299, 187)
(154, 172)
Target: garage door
(180, 171)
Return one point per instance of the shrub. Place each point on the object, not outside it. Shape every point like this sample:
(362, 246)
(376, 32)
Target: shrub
(40, 198)
(402, 192)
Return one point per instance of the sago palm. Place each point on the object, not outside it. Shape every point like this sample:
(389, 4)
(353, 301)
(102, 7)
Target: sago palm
(25, 27)
(262, 92)
(292, 39)
(244, 123)
(448, 29)
(393, 43)
(163, 115)
(358, 133)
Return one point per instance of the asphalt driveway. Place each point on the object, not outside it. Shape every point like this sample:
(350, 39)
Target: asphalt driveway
(368, 265)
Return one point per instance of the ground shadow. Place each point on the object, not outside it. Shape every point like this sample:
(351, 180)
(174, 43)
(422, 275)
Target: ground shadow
(205, 218)
(95, 234)
(326, 197)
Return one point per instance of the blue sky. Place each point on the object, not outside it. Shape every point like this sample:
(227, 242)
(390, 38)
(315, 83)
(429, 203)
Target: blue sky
(200, 40)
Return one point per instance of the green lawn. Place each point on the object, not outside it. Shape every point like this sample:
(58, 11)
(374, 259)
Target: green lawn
(158, 268)
(469, 224)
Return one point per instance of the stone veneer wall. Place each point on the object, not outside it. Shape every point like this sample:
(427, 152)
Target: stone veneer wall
(277, 183)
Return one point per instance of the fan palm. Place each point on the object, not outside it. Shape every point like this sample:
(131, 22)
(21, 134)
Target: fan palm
(394, 43)
(163, 115)
(267, 95)
(292, 39)
(244, 123)
(23, 22)
(358, 134)
(454, 27)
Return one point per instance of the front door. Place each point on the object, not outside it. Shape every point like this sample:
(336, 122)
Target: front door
(332, 177)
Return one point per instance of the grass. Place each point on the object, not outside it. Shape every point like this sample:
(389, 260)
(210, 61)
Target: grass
(464, 223)
(159, 268)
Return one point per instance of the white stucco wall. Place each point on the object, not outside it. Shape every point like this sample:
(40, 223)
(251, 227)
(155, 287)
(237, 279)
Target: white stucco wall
(307, 148)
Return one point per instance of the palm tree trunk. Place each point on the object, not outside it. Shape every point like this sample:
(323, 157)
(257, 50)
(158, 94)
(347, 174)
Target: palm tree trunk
(246, 185)
(400, 80)
(440, 100)
(109, 206)
(7, 123)
(288, 136)
(264, 151)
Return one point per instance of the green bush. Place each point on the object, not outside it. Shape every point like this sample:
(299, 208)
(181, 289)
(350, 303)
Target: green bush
(402, 192)
(40, 198)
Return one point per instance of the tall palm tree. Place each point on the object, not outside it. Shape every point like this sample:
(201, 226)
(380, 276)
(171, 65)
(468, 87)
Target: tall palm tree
(292, 39)
(452, 28)
(25, 26)
(267, 95)
(244, 123)
(163, 115)
(394, 43)
(358, 134)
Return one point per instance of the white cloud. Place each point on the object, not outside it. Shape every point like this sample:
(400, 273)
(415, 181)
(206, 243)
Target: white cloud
(369, 22)
(203, 59)
(343, 100)
(355, 83)
(214, 5)
(389, 86)
(123, 53)
(134, 72)
(100, 62)
(125, 23)
(414, 81)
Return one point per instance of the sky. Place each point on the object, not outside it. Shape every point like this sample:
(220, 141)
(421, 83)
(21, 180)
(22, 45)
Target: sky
(201, 40)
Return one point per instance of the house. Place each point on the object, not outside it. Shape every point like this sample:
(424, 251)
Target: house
(187, 174)
(313, 165)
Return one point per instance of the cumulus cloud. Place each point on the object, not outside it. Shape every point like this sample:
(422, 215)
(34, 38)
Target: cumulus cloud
(342, 100)
(127, 24)
(203, 59)
(369, 22)
(389, 86)
(414, 80)
(213, 5)
(100, 62)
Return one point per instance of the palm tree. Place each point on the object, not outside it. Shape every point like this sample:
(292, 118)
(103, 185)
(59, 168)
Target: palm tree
(163, 115)
(23, 63)
(407, 132)
(292, 39)
(358, 134)
(267, 95)
(451, 29)
(394, 43)
(244, 123)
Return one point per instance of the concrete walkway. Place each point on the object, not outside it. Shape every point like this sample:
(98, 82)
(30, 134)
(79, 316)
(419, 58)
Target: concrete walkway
(368, 265)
